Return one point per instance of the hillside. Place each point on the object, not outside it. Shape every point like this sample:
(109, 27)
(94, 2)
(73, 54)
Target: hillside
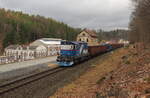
(20, 28)
(113, 35)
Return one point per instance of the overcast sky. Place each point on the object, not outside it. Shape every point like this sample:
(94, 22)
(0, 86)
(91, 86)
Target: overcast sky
(93, 14)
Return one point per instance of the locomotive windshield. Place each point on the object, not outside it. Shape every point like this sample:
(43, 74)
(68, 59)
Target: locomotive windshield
(67, 47)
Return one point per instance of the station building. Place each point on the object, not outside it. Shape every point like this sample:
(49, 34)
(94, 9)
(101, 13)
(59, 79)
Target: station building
(88, 36)
(39, 48)
(52, 45)
(21, 53)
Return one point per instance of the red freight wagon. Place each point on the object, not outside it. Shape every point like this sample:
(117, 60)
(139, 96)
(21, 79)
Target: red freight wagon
(96, 50)
(114, 46)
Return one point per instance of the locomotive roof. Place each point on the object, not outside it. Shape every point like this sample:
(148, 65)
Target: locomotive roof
(74, 42)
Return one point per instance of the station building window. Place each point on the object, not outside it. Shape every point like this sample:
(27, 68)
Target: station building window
(87, 40)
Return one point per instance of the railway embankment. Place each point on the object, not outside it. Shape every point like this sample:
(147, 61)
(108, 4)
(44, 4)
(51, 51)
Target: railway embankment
(123, 73)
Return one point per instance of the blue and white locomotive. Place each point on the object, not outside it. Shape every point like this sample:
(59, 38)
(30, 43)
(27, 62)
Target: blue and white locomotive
(72, 53)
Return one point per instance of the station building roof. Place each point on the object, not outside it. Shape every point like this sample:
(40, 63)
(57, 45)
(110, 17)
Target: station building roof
(46, 42)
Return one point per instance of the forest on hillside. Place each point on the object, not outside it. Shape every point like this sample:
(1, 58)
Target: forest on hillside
(113, 34)
(20, 28)
(140, 22)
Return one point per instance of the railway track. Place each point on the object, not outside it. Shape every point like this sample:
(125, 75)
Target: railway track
(22, 81)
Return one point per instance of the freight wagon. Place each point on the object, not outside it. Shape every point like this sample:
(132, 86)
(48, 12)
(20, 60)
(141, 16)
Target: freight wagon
(96, 50)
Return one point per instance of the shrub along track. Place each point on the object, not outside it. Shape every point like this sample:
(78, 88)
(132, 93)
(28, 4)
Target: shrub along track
(45, 84)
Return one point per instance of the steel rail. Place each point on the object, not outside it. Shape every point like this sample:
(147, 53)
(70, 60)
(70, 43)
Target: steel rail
(22, 81)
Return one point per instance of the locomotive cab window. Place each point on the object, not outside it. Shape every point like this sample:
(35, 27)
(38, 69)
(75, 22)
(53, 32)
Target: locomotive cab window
(75, 46)
(67, 47)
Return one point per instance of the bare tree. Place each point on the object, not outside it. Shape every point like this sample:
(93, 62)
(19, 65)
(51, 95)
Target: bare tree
(140, 22)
